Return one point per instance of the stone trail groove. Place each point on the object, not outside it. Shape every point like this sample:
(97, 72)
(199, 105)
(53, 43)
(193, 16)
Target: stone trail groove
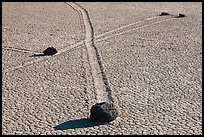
(101, 85)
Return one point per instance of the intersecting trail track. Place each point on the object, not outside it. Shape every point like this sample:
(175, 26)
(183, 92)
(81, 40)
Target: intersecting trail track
(101, 37)
(102, 88)
(131, 27)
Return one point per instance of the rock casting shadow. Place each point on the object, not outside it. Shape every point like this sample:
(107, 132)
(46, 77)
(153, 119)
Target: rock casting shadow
(78, 123)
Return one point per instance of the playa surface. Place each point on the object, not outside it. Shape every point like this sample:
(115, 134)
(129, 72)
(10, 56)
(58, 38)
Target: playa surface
(151, 64)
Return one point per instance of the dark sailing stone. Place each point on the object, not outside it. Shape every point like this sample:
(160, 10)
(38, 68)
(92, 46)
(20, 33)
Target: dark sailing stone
(50, 51)
(103, 112)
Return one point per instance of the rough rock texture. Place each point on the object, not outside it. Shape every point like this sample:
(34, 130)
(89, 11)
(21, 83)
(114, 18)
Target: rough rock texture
(50, 51)
(104, 112)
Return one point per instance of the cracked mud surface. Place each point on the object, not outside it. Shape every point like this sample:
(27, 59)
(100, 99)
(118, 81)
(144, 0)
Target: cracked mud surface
(152, 65)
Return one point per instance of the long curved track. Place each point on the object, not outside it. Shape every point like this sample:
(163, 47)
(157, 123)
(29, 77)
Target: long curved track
(102, 88)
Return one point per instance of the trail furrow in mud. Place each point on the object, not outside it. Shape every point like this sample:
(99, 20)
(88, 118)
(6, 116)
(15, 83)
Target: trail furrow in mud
(124, 27)
(19, 50)
(131, 27)
(102, 88)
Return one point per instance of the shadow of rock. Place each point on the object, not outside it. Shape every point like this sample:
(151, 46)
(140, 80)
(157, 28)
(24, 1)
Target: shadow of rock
(78, 123)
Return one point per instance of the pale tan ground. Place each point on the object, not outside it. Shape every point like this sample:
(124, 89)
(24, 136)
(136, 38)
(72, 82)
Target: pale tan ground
(154, 72)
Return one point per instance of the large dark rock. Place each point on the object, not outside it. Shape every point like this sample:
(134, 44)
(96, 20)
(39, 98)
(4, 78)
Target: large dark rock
(103, 112)
(50, 51)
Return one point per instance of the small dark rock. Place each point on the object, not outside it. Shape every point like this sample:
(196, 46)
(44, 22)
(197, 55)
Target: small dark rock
(103, 112)
(164, 14)
(50, 51)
